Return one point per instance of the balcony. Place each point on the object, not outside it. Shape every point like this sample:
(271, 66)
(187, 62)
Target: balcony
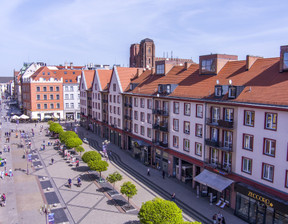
(164, 127)
(157, 111)
(221, 167)
(128, 129)
(165, 112)
(156, 126)
(104, 101)
(127, 117)
(224, 146)
(128, 105)
(220, 123)
(164, 144)
(156, 141)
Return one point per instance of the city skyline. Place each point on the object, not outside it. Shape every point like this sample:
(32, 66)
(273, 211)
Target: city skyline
(101, 32)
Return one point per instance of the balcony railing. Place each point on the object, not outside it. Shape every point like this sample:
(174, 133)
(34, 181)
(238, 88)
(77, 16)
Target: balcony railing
(165, 112)
(225, 168)
(161, 126)
(160, 112)
(164, 128)
(212, 143)
(156, 141)
(164, 144)
(127, 117)
(220, 123)
(225, 146)
(128, 105)
(156, 111)
(128, 129)
(104, 101)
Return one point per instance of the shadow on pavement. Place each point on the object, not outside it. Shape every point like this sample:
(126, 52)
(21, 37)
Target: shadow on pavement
(81, 169)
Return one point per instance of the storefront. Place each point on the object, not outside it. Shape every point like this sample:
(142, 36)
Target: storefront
(259, 207)
(70, 116)
(141, 151)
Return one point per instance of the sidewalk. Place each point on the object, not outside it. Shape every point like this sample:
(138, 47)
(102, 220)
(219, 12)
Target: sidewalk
(183, 192)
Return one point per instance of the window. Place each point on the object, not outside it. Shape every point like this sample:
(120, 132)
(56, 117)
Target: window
(142, 103)
(186, 145)
(208, 66)
(248, 141)
(136, 102)
(118, 99)
(114, 99)
(149, 132)
(70, 80)
(213, 156)
(45, 106)
(149, 103)
(67, 105)
(176, 107)
(110, 98)
(246, 165)
(149, 120)
(271, 121)
(114, 121)
(199, 130)
(215, 114)
(267, 172)
(38, 106)
(51, 106)
(160, 69)
(232, 92)
(199, 110)
(142, 116)
(110, 109)
(71, 88)
(269, 147)
(214, 134)
(114, 87)
(57, 88)
(175, 124)
(142, 130)
(51, 88)
(228, 114)
(136, 115)
(286, 179)
(58, 105)
(44, 88)
(249, 118)
(285, 61)
(38, 97)
(66, 80)
(198, 149)
(227, 139)
(71, 105)
(71, 96)
(218, 90)
(66, 96)
(114, 110)
(45, 97)
(187, 109)
(57, 97)
(136, 128)
(175, 141)
(187, 127)
(38, 89)
(118, 109)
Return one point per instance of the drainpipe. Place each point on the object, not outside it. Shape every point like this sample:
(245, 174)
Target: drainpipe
(205, 115)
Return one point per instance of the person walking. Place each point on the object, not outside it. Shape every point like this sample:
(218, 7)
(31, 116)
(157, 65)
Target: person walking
(52, 161)
(163, 174)
(173, 197)
(10, 172)
(148, 172)
(3, 198)
(2, 174)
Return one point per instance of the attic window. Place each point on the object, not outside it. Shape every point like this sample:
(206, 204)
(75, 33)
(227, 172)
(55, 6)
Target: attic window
(54, 72)
(48, 73)
(232, 92)
(70, 80)
(160, 69)
(74, 73)
(160, 88)
(65, 72)
(131, 86)
(208, 66)
(168, 89)
(218, 90)
(43, 73)
(285, 61)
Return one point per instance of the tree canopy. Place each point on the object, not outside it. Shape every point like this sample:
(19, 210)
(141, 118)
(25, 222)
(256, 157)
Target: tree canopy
(67, 134)
(79, 149)
(98, 165)
(91, 155)
(113, 178)
(128, 189)
(56, 128)
(73, 142)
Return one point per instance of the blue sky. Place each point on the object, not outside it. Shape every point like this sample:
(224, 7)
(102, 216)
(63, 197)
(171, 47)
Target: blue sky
(100, 32)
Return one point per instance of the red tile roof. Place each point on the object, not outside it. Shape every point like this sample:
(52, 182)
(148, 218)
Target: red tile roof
(125, 75)
(89, 76)
(104, 77)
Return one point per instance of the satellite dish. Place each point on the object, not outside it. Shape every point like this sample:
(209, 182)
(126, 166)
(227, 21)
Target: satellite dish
(217, 82)
(230, 81)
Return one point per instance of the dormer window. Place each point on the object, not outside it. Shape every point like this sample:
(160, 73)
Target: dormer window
(208, 66)
(218, 91)
(168, 89)
(232, 92)
(131, 86)
(160, 69)
(285, 61)
(160, 88)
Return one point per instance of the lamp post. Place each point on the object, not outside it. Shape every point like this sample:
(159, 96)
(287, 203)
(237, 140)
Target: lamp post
(45, 209)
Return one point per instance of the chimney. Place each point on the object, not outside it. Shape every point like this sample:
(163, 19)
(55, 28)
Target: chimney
(186, 65)
(139, 72)
(66, 65)
(153, 71)
(250, 60)
(283, 53)
(71, 65)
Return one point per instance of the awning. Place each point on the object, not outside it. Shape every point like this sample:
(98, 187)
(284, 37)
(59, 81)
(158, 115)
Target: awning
(47, 117)
(213, 180)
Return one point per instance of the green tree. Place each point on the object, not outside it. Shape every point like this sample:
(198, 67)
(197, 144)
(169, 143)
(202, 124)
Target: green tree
(128, 189)
(67, 134)
(56, 128)
(91, 156)
(187, 222)
(113, 178)
(50, 122)
(79, 149)
(160, 211)
(73, 142)
(98, 165)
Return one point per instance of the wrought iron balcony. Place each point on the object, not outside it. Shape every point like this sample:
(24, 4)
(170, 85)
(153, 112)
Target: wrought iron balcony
(221, 167)
(211, 142)
(128, 105)
(156, 141)
(165, 112)
(224, 146)
(156, 126)
(220, 123)
(127, 117)
(156, 111)
(164, 144)
(128, 129)
(164, 127)
(104, 101)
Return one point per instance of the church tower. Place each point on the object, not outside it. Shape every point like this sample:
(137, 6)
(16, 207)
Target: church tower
(143, 55)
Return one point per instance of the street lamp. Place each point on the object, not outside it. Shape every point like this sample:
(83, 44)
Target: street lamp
(46, 209)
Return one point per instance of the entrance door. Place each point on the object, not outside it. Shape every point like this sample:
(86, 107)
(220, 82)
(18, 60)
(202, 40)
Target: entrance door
(260, 216)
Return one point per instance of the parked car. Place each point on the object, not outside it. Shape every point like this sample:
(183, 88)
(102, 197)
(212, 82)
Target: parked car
(85, 140)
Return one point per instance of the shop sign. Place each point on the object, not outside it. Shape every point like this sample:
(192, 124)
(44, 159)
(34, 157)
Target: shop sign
(260, 198)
